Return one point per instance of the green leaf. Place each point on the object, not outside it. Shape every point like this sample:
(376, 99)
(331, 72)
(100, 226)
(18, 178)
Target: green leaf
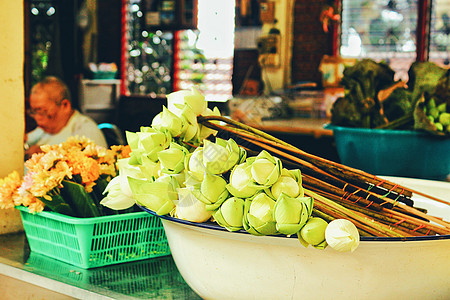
(59, 205)
(80, 201)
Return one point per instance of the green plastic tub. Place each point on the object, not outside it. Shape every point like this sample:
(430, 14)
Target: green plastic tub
(95, 242)
(402, 153)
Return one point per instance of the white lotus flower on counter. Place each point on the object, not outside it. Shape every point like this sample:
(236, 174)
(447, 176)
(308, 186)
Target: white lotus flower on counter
(147, 142)
(241, 183)
(342, 235)
(194, 165)
(222, 155)
(118, 192)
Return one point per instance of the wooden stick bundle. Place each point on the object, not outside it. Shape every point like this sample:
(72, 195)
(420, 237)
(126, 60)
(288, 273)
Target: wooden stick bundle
(377, 207)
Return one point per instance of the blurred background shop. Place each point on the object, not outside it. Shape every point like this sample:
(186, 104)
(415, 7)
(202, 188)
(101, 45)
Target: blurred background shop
(257, 60)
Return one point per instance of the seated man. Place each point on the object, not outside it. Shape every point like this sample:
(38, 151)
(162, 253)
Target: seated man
(50, 106)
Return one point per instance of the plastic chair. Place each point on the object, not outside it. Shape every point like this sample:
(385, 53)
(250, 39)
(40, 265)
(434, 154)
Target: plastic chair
(112, 133)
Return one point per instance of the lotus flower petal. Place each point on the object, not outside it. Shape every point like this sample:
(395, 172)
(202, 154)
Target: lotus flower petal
(190, 208)
(194, 164)
(172, 159)
(115, 198)
(157, 196)
(166, 120)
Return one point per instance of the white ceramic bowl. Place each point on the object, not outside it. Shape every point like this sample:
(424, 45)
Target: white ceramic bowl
(218, 264)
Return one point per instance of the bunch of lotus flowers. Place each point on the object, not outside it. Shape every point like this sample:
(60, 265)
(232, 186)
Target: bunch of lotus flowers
(173, 169)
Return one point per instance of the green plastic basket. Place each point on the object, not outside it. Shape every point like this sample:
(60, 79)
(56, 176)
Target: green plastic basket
(95, 242)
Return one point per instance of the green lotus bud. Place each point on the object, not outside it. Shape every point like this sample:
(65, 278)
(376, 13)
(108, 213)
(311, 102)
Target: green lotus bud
(193, 98)
(190, 208)
(157, 196)
(290, 183)
(132, 139)
(291, 214)
(230, 214)
(342, 235)
(126, 170)
(194, 164)
(439, 126)
(212, 191)
(204, 131)
(313, 233)
(150, 169)
(241, 182)
(258, 215)
(266, 169)
(172, 159)
(147, 142)
(167, 120)
(190, 124)
(221, 156)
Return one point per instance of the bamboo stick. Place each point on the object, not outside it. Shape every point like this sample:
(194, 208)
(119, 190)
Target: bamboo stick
(388, 218)
(352, 214)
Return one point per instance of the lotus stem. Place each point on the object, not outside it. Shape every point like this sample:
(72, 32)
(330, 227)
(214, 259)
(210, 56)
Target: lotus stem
(353, 214)
(331, 166)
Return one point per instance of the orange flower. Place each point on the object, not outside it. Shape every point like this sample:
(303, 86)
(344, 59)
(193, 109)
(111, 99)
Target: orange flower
(9, 190)
(123, 151)
(77, 156)
(44, 180)
(86, 167)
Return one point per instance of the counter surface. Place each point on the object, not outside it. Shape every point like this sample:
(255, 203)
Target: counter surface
(156, 278)
(307, 126)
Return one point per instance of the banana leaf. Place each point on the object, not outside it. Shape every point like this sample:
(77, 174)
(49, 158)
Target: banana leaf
(81, 201)
(59, 205)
